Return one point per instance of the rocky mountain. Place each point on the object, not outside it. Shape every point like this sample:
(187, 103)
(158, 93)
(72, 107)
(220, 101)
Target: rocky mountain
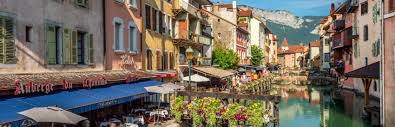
(285, 24)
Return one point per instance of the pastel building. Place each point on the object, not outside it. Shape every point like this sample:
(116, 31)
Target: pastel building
(158, 50)
(291, 56)
(123, 34)
(42, 37)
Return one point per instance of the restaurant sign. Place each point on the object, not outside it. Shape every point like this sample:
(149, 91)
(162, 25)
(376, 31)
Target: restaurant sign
(93, 82)
(31, 87)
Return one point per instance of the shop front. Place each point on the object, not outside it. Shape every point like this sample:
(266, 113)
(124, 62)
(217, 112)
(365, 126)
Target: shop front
(97, 96)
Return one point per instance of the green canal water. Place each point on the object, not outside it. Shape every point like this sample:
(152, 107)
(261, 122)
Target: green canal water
(318, 107)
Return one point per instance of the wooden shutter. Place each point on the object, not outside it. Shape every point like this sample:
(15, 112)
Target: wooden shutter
(73, 47)
(160, 22)
(2, 40)
(66, 46)
(90, 49)
(51, 45)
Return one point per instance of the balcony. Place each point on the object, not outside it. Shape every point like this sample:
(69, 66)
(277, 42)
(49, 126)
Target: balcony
(206, 62)
(355, 32)
(180, 6)
(204, 40)
(343, 39)
(338, 24)
(347, 36)
(337, 39)
(352, 5)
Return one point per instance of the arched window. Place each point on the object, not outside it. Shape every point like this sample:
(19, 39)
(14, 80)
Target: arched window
(158, 60)
(149, 59)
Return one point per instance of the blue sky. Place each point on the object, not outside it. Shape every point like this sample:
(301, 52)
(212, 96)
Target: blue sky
(298, 7)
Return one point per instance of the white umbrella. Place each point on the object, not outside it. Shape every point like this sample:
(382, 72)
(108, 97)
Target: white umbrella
(52, 115)
(196, 78)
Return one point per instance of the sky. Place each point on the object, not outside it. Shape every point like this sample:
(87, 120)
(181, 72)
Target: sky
(297, 7)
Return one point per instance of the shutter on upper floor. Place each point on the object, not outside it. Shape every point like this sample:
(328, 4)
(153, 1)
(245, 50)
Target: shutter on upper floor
(66, 46)
(90, 49)
(51, 45)
(7, 41)
(73, 47)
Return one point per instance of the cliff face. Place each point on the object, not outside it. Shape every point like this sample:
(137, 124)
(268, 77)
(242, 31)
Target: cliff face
(285, 24)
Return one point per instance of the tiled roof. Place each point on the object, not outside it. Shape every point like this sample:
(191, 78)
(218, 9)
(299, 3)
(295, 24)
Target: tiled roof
(213, 72)
(370, 71)
(228, 6)
(315, 43)
(245, 13)
(292, 49)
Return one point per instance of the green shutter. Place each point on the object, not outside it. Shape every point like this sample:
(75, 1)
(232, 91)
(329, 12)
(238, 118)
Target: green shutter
(51, 45)
(66, 46)
(7, 41)
(2, 40)
(73, 47)
(90, 49)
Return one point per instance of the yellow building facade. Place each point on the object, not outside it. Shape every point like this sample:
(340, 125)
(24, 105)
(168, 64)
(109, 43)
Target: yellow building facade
(159, 53)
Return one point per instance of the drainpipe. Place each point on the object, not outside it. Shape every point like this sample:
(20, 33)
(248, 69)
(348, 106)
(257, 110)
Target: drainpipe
(104, 34)
(382, 78)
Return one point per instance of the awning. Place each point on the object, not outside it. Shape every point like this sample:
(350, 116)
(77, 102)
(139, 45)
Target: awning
(77, 101)
(196, 78)
(213, 72)
(370, 71)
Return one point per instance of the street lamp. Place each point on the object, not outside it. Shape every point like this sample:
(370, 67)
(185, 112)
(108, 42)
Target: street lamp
(189, 54)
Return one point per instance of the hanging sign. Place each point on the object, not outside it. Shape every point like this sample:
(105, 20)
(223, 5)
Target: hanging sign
(31, 87)
(93, 82)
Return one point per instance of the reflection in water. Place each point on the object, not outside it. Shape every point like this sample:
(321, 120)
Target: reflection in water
(320, 107)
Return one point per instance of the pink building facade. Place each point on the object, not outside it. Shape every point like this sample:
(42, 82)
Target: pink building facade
(123, 34)
(241, 45)
(389, 64)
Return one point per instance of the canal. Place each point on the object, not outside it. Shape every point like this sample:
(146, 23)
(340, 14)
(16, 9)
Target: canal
(307, 106)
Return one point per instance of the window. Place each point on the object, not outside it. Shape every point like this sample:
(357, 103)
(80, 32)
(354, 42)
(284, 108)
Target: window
(132, 3)
(82, 3)
(154, 18)
(376, 48)
(7, 41)
(169, 25)
(356, 50)
(149, 60)
(171, 61)
(364, 8)
(158, 61)
(365, 33)
(118, 34)
(28, 35)
(219, 20)
(80, 47)
(165, 61)
(132, 37)
(164, 24)
(375, 86)
(391, 5)
(120, 1)
(366, 61)
(160, 22)
(53, 44)
(326, 57)
(147, 17)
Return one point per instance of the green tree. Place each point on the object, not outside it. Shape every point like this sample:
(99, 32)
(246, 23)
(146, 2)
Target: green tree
(225, 58)
(257, 55)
